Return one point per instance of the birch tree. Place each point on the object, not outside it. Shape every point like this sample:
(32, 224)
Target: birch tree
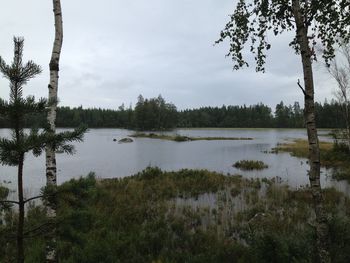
(51, 169)
(313, 22)
(339, 69)
(14, 149)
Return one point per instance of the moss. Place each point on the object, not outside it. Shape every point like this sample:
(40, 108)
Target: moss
(250, 165)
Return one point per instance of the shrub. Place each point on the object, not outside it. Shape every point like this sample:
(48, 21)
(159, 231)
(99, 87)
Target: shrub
(179, 138)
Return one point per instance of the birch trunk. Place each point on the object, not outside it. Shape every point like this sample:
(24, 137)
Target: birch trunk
(314, 150)
(51, 176)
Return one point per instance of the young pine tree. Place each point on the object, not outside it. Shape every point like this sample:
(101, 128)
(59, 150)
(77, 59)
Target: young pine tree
(14, 149)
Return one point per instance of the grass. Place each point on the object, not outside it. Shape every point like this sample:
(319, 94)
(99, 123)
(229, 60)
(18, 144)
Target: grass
(300, 148)
(180, 138)
(250, 165)
(139, 219)
(332, 155)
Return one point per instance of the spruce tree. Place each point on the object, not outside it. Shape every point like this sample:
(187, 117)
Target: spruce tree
(13, 150)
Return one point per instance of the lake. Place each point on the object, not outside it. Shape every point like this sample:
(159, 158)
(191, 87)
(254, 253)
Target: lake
(108, 159)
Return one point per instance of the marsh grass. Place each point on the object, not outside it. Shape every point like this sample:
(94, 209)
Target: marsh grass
(138, 219)
(250, 165)
(333, 155)
(300, 148)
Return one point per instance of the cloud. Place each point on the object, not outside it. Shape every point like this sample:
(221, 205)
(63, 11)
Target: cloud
(114, 50)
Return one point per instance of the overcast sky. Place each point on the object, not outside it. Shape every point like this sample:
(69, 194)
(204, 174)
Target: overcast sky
(114, 50)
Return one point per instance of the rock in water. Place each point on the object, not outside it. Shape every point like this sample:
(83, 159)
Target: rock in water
(125, 140)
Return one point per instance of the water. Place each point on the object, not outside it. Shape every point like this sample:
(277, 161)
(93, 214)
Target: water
(108, 159)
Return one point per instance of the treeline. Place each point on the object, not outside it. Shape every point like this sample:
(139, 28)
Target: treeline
(157, 114)
(254, 116)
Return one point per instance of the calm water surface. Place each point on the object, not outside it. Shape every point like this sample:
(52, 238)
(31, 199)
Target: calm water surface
(108, 159)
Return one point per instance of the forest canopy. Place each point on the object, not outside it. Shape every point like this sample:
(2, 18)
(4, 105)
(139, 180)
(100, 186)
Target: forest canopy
(158, 114)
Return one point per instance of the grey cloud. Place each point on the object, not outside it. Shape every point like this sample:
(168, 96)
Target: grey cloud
(114, 50)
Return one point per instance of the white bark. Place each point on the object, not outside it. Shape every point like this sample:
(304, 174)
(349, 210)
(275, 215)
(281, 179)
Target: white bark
(314, 149)
(51, 176)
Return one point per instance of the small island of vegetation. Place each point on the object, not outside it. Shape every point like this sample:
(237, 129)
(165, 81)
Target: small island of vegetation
(181, 138)
(188, 215)
(250, 165)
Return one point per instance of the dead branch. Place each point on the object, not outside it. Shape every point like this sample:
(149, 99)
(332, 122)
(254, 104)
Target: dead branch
(302, 89)
(33, 198)
(9, 202)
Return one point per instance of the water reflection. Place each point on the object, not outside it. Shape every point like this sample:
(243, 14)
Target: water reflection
(109, 159)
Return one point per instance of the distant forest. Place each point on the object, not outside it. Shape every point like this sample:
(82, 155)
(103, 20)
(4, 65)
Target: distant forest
(157, 114)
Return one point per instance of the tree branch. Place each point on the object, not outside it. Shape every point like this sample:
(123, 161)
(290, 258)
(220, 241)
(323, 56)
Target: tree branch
(25, 201)
(33, 198)
(9, 201)
(302, 89)
(38, 228)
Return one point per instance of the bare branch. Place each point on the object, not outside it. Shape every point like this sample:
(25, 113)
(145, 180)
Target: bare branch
(38, 228)
(9, 202)
(33, 198)
(302, 89)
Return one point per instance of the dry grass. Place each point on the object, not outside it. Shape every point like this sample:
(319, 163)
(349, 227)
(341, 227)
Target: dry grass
(331, 156)
(300, 148)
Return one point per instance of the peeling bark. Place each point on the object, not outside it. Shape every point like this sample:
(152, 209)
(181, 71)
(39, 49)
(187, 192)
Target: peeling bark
(51, 170)
(322, 228)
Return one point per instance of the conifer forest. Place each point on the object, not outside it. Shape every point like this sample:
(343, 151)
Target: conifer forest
(175, 131)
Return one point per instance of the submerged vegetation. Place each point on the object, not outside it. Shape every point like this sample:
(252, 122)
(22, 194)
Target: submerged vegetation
(250, 165)
(180, 138)
(184, 216)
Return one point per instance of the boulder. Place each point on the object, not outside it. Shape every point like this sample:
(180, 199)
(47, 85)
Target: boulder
(125, 140)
